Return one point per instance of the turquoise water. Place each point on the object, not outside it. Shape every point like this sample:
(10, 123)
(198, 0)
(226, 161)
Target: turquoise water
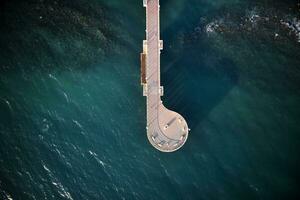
(72, 114)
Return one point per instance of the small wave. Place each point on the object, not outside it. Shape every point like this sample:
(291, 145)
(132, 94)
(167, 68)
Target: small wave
(292, 25)
(6, 195)
(45, 126)
(92, 153)
(97, 159)
(78, 124)
(100, 162)
(55, 79)
(8, 104)
(66, 97)
(211, 27)
(60, 188)
(46, 168)
(252, 16)
(253, 187)
(9, 197)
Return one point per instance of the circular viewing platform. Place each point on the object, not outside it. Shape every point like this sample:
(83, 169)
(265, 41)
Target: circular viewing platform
(169, 132)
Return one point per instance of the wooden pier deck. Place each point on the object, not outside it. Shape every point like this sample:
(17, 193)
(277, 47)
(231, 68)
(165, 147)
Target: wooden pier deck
(167, 130)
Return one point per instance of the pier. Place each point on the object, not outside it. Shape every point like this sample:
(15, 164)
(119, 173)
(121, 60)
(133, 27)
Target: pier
(167, 130)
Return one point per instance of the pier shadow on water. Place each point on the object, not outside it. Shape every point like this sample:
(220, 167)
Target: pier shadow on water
(195, 76)
(196, 81)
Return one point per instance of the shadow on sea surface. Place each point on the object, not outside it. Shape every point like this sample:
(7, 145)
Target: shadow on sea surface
(196, 82)
(196, 77)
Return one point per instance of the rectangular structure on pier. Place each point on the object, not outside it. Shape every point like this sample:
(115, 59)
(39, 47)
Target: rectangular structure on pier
(143, 68)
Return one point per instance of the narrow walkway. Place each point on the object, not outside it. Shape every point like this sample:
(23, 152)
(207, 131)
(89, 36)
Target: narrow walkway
(167, 131)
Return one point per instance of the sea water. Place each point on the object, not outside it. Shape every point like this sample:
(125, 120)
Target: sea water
(73, 118)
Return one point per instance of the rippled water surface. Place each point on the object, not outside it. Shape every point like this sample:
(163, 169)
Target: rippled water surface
(72, 114)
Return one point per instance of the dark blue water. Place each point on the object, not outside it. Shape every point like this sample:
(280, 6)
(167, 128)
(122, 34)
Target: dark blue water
(72, 114)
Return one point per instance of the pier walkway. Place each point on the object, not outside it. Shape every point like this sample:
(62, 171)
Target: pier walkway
(167, 130)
